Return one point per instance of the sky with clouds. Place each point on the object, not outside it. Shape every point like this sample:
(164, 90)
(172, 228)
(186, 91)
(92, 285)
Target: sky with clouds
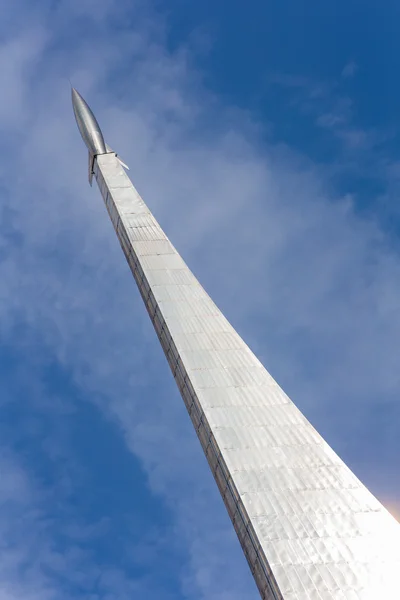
(265, 138)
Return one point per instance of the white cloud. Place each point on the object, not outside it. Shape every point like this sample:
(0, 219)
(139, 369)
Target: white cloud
(42, 557)
(349, 70)
(17, 59)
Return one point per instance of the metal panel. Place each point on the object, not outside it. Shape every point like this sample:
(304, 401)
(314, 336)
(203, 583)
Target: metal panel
(308, 528)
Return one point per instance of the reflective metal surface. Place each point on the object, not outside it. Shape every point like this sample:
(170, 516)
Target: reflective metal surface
(310, 530)
(90, 132)
(88, 125)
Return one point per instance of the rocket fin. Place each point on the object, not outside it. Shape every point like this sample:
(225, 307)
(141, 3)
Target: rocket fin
(109, 149)
(122, 163)
(90, 167)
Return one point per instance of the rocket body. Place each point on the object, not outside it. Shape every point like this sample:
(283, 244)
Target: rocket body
(88, 125)
(90, 131)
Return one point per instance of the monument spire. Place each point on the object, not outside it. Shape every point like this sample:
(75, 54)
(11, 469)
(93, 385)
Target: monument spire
(310, 530)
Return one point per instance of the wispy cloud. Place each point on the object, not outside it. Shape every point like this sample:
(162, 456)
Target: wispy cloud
(334, 135)
(349, 70)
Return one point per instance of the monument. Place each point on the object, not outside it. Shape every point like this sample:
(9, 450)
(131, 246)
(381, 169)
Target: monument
(310, 530)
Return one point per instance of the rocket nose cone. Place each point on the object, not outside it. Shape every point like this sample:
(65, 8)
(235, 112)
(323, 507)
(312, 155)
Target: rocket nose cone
(81, 108)
(74, 95)
(77, 98)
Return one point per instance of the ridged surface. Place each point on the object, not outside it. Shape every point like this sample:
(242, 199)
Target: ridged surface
(308, 527)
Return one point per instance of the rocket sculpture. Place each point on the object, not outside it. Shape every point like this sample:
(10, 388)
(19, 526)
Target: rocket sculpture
(90, 131)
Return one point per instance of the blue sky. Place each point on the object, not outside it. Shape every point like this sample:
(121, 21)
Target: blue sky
(265, 139)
